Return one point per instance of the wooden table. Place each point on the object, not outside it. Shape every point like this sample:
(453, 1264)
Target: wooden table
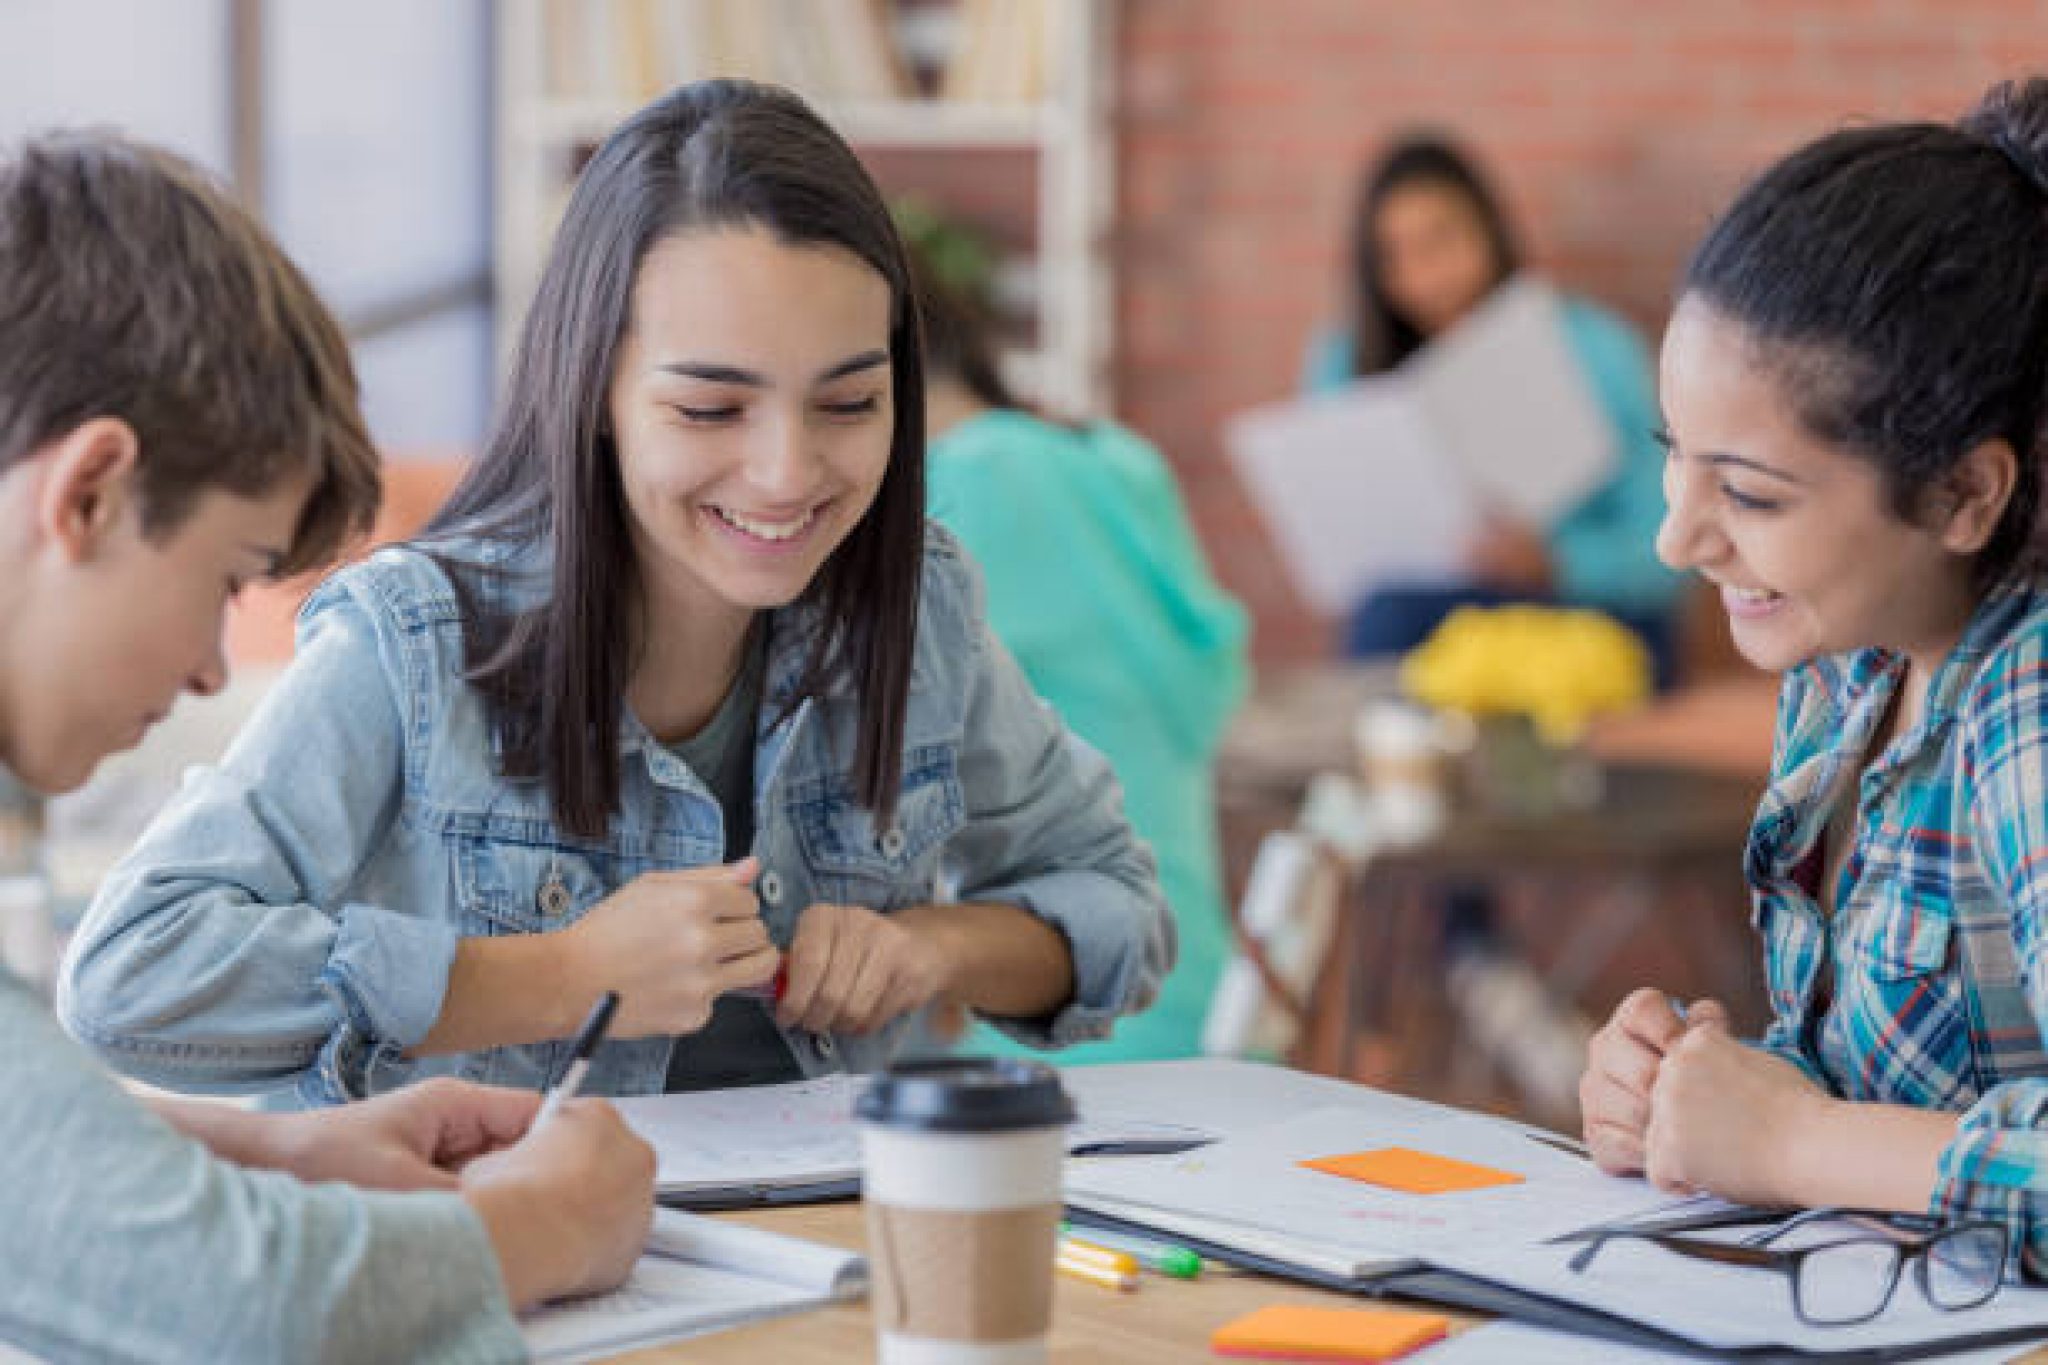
(1164, 1321)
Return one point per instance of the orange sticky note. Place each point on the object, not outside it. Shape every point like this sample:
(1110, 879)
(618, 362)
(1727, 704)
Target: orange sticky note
(1286, 1331)
(1412, 1172)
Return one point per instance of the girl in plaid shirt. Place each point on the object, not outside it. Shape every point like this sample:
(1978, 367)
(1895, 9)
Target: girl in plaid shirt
(1853, 381)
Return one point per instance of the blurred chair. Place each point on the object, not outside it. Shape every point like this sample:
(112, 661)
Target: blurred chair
(1282, 931)
(260, 627)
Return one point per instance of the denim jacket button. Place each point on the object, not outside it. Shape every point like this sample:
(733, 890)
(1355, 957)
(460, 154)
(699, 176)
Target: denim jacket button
(826, 1047)
(892, 843)
(553, 898)
(771, 888)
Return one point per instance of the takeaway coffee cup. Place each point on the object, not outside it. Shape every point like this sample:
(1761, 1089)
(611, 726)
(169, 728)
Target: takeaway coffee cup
(962, 1181)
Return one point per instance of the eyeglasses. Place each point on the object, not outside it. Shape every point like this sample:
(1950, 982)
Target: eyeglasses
(1849, 1265)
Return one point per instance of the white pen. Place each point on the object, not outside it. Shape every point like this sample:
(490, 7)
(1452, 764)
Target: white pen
(587, 1041)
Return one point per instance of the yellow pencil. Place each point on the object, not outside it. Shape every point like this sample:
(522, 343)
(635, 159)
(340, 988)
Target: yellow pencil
(1095, 1273)
(1107, 1257)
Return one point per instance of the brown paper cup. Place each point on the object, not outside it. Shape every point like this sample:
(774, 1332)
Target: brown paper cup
(961, 1233)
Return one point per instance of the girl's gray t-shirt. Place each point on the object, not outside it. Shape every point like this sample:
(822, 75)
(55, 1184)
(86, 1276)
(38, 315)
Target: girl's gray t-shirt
(741, 1044)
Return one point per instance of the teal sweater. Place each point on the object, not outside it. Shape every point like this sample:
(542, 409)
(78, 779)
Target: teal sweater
(1604, 550)
(1097, 585)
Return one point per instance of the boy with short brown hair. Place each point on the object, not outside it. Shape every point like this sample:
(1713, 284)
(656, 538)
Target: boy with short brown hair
(178, 417)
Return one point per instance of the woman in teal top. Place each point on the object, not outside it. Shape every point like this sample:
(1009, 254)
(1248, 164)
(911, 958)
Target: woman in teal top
(1431, 243)
(1096, 583)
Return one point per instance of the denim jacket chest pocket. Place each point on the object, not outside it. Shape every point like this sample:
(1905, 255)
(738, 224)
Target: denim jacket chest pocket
(514, 880)
(853, 860)
(511, 878)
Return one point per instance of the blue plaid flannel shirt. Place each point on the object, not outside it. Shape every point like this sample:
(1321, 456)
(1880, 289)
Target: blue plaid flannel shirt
(1929, 987)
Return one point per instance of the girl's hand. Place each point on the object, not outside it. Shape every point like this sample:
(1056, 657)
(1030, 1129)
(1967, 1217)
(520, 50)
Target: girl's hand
(1723, 1116)
(853, 970)
(671, 943)
(1622, 1065)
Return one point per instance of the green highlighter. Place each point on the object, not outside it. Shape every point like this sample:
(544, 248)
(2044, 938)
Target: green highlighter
(1162, 1257)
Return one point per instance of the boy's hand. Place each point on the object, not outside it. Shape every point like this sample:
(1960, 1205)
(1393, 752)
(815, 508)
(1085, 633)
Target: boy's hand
(567, 1207)
(417, 1138)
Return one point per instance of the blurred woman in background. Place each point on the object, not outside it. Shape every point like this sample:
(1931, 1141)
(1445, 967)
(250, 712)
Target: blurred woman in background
(1429, 245)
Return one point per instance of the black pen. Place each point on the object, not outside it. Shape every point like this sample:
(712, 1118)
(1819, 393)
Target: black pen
(587, 1042)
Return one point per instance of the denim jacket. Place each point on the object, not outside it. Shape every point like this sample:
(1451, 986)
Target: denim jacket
(290, 919)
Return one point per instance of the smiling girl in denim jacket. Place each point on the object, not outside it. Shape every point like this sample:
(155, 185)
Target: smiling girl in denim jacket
(679, 696)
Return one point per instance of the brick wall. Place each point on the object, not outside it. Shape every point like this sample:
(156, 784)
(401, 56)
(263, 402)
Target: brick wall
(1614, 127)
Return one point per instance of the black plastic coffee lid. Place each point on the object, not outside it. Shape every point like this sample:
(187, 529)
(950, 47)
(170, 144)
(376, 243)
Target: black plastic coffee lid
(967, 1095)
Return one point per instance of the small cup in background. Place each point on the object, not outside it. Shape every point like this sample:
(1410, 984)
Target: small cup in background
(1404, 761)
(961, 1177)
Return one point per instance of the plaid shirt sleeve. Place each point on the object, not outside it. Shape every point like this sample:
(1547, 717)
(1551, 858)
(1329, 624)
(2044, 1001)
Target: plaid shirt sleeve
(1997, 1167)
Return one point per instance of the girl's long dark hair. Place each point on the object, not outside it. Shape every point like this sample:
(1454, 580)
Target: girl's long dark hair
(553, 676)
(1381, 337)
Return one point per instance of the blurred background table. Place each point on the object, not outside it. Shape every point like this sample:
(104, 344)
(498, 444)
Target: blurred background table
(1644, 887)
(1641, 887)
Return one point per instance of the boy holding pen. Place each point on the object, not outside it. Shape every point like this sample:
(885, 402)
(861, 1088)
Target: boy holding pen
(178, 418)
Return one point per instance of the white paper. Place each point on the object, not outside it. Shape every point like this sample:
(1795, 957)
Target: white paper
(1512, 407)
(804, 1132)
(767, 1135)
(1228, 1097)
(1730, 1307)
(1257, 1181)
(1515, 1343)
(697, 1276)
(1355, 489)
(1389, 479)
(1233, 1098)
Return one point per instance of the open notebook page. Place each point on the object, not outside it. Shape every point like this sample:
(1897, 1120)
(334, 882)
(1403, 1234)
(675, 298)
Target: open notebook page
(698, 1275)
(1252, 1193)
(804, 1133)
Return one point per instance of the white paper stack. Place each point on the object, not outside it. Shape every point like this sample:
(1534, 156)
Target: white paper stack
(1388, 480)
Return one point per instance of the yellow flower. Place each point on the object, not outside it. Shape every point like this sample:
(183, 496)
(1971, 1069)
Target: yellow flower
(1559, 667)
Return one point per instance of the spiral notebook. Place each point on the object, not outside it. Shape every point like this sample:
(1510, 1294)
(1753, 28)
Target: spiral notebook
(698, 1275)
